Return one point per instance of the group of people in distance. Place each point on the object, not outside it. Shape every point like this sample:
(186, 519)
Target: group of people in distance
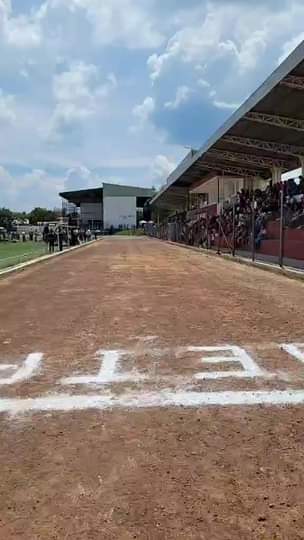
(236, 217)
(62, 236)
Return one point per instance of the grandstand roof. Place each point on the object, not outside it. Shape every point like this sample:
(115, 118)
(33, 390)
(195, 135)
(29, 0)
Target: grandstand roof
(266, 131)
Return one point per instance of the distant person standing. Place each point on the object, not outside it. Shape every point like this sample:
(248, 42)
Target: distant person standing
(51, 240)
(74, 237)
(60, 239)
(88, 235)
(46, 231)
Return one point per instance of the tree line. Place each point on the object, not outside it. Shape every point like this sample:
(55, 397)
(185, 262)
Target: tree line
(37, 215)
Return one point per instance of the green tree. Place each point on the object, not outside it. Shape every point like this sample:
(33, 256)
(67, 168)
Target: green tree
(21, 215)
(39, 215)
(6, 218)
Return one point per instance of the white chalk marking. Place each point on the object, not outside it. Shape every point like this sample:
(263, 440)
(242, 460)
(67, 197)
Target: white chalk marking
(28, 368)
(251, 369)
(165, 398)
(294, 349)
(110, 363)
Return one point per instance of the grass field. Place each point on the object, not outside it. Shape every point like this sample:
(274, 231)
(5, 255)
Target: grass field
(12, 253)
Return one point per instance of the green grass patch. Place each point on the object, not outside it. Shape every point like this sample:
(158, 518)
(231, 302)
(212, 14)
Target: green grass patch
(12, 253)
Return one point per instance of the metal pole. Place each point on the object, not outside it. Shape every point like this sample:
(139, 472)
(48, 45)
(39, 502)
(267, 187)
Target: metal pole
(188, 201)
(219, 217)
(253, 228)
(282, 228)
(218, 190)
(233, 229)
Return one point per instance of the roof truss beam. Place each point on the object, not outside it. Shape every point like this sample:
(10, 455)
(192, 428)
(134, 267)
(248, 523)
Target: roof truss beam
(287, 149)
(219, 168)
(275, 120)
(259, 161)
(294, 82)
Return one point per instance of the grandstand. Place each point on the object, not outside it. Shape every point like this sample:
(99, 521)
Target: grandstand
(245, 160)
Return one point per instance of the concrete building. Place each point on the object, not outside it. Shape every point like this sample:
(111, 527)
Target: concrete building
(108, 206)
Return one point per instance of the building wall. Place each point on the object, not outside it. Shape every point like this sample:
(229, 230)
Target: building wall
(91, 212)
(119, 211)
(229, 186)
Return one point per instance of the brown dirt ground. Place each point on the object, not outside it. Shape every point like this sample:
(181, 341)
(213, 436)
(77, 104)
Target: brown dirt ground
(196, 474)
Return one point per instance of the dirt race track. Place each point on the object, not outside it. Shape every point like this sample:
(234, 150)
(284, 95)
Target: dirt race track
(146, 391)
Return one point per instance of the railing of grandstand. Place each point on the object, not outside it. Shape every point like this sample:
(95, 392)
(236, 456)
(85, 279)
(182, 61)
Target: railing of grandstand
(267, 225)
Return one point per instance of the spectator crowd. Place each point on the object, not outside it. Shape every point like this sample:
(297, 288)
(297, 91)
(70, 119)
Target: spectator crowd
(236, 222)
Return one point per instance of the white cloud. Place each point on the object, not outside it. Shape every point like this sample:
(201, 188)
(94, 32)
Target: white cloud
(142, 113)
(290, 45)
(35, 188)
(225, 105)
(191, 44)
(240, 32)
(162, 167)
(182, 95)
(156, 63)
(24, 73)
(22, 31)
(125, 22)
(7, 108)
(76, 83)
(145, 109)
(203, 83)
(80, 178)
(78, 94)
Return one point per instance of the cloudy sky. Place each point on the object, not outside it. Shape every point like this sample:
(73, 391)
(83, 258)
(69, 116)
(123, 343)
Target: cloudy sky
(114, 90)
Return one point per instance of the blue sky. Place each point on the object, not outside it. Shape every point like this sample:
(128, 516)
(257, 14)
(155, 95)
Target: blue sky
(113, 90)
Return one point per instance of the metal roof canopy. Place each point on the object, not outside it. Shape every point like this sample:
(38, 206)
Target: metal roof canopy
(118, 190)
(96, 195)
(266, 131)
(93, 195)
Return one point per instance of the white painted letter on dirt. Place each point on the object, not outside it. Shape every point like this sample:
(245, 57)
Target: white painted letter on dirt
(26, 371)
(108, 373)
(250, 368)
(295, 349)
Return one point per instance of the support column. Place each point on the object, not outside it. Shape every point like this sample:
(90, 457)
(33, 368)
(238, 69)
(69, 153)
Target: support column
(276, 175)
(301, 159)
(252, 222)
(219, 217)
(233, 228)
(188, 201)
(282, 229)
